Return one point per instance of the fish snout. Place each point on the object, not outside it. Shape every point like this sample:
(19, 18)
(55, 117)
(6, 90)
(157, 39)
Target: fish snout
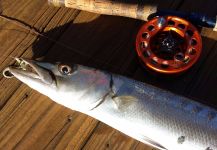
(7, 73)
(28, 68)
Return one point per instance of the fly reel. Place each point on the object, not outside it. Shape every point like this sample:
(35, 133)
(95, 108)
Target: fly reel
(168, 44)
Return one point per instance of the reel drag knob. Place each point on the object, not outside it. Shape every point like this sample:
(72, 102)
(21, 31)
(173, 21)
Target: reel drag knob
(168, 45)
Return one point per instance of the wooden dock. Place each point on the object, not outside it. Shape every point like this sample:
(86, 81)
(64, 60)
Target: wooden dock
(29, 120)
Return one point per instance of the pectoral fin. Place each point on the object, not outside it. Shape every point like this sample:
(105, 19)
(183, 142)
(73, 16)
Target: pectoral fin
(123, 102)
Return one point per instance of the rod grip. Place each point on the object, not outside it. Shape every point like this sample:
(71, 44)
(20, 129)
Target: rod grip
(109, 7)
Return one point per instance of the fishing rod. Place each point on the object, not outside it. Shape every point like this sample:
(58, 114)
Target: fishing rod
(169, 42)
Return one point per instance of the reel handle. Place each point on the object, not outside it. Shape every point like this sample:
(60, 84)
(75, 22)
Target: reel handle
(109, 7)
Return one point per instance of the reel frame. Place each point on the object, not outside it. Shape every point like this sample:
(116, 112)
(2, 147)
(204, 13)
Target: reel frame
(161, 37)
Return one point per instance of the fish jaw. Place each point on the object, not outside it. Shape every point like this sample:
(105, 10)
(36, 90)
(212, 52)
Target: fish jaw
(82, 90)
(33, 75)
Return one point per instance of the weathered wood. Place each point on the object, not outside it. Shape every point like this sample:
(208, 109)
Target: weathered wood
(30, 120)
(15, 40)
(104, 137)
(19, 41)
(11, 106)
(77, 134)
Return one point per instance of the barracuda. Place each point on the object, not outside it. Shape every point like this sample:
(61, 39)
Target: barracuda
(146, 113)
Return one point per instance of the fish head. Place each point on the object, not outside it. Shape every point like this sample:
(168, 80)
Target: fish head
(74, 86)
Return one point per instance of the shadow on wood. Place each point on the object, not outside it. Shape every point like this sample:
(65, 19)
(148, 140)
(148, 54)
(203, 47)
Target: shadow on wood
(108, 43)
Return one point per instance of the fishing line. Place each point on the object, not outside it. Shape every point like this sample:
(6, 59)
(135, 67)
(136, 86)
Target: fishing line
(35, 31)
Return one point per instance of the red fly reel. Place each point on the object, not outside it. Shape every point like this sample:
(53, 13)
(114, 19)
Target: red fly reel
(168, 45)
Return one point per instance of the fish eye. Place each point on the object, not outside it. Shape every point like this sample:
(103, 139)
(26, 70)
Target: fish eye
(65, 69)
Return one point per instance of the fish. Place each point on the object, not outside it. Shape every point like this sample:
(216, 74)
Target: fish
(146, 113)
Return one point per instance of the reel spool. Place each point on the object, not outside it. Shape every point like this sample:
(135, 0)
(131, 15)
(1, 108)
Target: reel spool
(168, 44)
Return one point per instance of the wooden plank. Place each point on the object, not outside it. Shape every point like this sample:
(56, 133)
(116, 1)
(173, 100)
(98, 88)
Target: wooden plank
(106, 137)
(19, 137)
(79, 20)
(14, 41)
(35, 121)
(14, 135)
(21, 116)
(10, 48)
(76, 134)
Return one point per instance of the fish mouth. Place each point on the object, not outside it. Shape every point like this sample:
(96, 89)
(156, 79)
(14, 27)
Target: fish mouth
(28, 69)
